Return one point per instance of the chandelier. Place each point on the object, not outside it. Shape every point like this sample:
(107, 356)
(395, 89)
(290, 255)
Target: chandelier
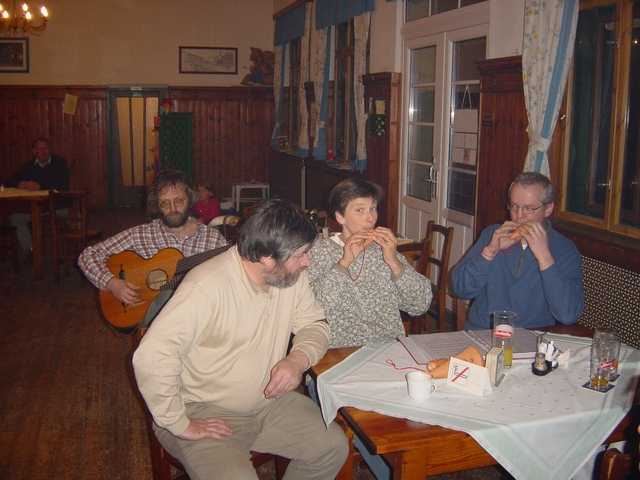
(21, 20)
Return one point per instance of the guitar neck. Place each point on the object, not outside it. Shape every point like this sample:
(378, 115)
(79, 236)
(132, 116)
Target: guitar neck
(187, 263)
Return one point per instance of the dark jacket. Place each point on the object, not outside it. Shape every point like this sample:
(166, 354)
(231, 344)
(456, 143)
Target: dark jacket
(53, 176)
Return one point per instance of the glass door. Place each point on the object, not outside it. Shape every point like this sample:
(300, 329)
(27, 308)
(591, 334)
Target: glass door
(441, 133)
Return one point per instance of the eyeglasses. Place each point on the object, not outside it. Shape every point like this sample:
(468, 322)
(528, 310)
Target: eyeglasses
(526, 209)
(177, 203)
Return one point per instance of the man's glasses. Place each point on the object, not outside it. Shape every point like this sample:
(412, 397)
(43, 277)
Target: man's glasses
(526, 209)
(177, 203)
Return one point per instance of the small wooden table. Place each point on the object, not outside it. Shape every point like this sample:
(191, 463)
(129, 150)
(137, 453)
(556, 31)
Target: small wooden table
(12, 200)
(415, 450)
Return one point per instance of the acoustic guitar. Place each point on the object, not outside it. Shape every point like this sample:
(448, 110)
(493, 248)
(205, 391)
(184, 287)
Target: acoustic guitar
(162, 271)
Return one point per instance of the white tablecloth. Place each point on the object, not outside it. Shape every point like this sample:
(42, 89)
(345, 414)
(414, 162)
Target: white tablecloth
(535, 427)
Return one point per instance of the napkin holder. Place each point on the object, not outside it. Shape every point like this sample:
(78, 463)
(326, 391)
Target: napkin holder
(469, 377)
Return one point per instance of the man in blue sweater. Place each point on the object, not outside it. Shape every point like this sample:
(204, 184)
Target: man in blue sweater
(523, 265)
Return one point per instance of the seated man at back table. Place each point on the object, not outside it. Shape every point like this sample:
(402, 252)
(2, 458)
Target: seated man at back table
(214, 370)
(170, 199)
(523, 265)
(43, 172)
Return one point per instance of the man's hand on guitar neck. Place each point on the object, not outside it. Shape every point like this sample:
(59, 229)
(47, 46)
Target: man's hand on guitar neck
(124, 291)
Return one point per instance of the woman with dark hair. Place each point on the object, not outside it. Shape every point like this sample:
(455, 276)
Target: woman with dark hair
(358, 276)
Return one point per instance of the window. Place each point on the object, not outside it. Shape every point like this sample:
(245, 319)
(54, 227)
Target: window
(290, 100)
(417, 9)
(601, 155)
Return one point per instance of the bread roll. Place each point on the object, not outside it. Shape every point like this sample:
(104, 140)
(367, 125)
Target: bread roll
(440, 368)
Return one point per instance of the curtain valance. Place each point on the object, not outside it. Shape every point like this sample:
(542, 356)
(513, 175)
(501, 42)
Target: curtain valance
(333, 12)
(290, 25)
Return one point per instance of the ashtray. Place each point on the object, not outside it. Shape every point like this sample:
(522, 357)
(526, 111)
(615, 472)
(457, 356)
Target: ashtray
(588, 386)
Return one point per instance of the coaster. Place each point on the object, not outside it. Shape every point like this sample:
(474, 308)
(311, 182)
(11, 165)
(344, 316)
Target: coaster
(588, 386)
(613, 378)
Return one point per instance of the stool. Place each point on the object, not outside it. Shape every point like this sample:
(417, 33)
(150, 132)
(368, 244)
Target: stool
(249, 193)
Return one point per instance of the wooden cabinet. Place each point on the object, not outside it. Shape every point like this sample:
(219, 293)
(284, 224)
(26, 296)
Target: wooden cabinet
(383, 148)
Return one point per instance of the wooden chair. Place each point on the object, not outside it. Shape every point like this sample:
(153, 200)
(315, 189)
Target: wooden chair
(70, 233)
(422, 255)
(162, 462)
(617, 466)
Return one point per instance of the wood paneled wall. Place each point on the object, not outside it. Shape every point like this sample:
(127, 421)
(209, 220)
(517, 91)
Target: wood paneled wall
(503, 137)
(232, 132)
(30, 112)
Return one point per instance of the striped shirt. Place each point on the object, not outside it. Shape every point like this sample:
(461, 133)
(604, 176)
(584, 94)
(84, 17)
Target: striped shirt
(146, 240)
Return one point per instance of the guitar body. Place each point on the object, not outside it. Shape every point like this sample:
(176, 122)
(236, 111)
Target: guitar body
(149, 275)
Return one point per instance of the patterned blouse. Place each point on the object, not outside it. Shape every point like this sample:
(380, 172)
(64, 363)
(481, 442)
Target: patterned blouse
(363, 304)
(145, 240)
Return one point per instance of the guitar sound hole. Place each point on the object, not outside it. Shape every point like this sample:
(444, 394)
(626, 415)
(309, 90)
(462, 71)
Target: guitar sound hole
(156, 279)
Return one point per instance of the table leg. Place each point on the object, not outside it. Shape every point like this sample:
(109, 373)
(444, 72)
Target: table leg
(347, 470)
(408, 465)
(36, 239)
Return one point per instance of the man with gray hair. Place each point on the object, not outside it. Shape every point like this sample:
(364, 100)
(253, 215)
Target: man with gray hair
(213, 367)
(523, 265)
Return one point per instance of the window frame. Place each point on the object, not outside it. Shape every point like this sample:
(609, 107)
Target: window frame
(611, 220)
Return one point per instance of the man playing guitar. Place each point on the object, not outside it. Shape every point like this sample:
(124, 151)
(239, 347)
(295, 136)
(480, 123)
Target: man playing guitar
(169, 202)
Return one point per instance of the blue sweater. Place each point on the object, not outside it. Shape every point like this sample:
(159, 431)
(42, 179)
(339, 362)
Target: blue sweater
(513, 281)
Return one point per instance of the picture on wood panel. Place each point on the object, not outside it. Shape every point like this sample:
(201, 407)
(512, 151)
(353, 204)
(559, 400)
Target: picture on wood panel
(14, 55)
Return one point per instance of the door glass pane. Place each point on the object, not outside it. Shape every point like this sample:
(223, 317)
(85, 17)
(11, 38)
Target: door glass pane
(417, 184)
(422, 104)
(421, 143)
(423, 65)
(417, 9)
(439, 6)
(462, 191)
(630, 211)
(464, 128)
(591, 111)
(466, 56)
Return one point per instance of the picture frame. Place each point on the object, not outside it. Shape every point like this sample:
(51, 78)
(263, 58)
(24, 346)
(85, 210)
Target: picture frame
(216, 60)
(14, 55)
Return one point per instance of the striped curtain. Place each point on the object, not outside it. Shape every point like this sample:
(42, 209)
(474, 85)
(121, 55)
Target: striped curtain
(361, 33)
(549, 37)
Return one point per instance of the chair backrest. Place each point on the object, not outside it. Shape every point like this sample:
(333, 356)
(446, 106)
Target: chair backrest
(76, 219)
(423, 256)
(427, 258)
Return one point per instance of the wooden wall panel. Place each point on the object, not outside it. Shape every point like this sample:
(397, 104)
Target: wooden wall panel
(232, 133)
(30, 112)
(503, 137)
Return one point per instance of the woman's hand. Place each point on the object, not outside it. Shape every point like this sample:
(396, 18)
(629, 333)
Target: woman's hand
(389, 244)
(354, 245)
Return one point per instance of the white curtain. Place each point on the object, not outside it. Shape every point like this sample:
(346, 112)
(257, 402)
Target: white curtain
(549, 37)
(361, 35)
(303, 133)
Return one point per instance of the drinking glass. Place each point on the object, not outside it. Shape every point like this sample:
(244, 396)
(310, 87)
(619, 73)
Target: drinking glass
(502, 322)
(608, 350)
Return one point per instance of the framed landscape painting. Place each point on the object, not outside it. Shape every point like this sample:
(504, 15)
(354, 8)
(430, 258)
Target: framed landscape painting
(221, 60)
(14, 55)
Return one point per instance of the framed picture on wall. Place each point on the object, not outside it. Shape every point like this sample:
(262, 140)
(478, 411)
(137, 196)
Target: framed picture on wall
(221, 60)
(14, 55)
